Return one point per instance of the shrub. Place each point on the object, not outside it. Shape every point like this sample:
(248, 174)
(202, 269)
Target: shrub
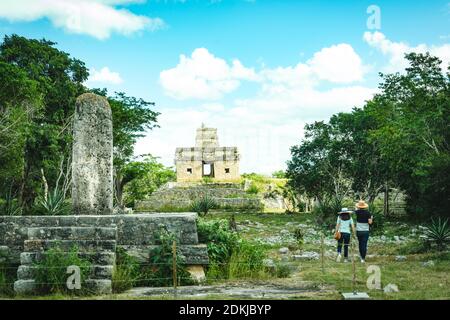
(126, 272)
(7, 277)
(282, 270)
(253, 189)
(221, 241)
(326, 214)
(53, 204)
(10, 206)
(299, 235)
(438, 233)
(159, 271)
(203, 205)
(207, 180)
(51, 272)
(379, 221)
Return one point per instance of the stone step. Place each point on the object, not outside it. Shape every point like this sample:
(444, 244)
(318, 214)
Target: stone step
(72, 233)
(193, 254)
(99, 286)
(98, 258)
(67, 245)
(95, 286)
(26, 272)
(25, 287)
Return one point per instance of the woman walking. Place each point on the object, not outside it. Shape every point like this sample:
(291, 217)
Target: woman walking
(344, 225)
(363, 221)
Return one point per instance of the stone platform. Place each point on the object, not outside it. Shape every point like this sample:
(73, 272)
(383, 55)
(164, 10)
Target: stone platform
(24, 240)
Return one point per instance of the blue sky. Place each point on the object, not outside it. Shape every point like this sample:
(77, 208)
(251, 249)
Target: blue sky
(257, 70)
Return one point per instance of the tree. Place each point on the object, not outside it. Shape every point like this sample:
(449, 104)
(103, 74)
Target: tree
(414, 110)
(144, 177)
(131, 118)
(19, 104)
(319, 165)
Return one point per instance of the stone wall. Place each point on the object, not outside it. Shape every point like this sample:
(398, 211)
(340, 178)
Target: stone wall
(136, 233)
(226, 195)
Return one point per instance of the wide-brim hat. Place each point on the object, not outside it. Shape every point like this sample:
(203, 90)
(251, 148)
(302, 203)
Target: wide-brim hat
(362, 204)
(344, 210)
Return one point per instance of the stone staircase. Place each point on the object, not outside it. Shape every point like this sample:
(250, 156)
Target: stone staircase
(95, 244)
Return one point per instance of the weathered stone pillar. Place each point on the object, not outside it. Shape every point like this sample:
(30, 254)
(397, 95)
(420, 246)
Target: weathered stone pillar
(92, 160)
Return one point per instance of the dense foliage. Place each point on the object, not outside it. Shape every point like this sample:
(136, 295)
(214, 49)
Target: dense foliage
(399, 139)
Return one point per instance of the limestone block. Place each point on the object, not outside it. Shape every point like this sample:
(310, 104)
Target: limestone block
(92, 156)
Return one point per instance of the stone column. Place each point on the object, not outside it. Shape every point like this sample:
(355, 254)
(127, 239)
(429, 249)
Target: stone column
(92, 156)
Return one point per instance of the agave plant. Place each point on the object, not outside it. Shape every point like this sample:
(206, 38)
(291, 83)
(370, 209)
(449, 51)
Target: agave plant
(54, 204)
(203, 205)
(10, 207)
(438, 232)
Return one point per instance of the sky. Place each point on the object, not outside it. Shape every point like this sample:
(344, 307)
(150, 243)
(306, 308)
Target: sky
(257, 70)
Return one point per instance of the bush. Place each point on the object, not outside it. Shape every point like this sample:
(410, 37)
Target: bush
(253, 189)
(282, 270)
(326, 214)
(379, 221)
(220, 239)
(8, 275)
(159, 272)
(203, 205)
(51, 272)
(126, 272)
(10, 206)
(298, 235)
(229, 255)
(438, 233)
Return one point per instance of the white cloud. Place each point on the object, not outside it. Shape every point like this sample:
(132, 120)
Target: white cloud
(395, 51)
(203, 76)
(104, 76)
(263, 126)
(97, 18)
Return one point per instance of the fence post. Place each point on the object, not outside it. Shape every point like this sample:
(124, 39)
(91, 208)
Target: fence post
(353, 266)
(174, 266)
(321, 250)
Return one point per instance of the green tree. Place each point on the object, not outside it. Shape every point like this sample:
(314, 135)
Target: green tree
(414, 111)
(58, 80)
(144, 177)
(319, 166)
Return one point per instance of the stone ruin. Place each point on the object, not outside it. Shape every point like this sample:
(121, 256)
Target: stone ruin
(93, 229)
(207, 159)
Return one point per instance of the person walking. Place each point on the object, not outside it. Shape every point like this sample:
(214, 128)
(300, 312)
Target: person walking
(363, 221)
(345, 226)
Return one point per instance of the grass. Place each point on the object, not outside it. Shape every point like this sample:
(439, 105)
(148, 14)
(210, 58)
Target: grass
(414, 280)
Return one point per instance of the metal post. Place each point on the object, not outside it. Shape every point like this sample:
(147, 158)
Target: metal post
(353, 267)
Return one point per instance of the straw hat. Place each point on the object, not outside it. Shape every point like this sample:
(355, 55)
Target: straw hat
(362, 204)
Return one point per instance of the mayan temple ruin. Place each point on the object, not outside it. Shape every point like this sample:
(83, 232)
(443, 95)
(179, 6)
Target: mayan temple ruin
(204, 170)
(207, 159)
